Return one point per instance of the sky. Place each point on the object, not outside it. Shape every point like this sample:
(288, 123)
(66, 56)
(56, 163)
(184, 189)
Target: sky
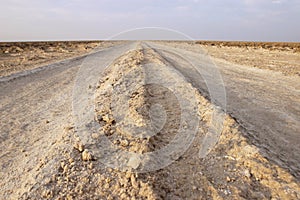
(247, 20)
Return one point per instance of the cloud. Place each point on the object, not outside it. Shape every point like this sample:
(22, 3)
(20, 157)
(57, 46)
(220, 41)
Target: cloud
(277, 1)
(182, 8)
(214, 19)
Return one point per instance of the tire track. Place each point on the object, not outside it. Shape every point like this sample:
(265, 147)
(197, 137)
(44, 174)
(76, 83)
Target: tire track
(254, 100)
(50, 167)
(35, 109)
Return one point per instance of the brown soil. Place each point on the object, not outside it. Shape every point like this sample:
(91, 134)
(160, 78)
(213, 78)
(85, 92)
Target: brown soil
(284, 46)
(43, 157)
(20, 56)
(234, 169)
(281, 57)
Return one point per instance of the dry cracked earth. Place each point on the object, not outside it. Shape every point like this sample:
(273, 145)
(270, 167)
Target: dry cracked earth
(99, 125)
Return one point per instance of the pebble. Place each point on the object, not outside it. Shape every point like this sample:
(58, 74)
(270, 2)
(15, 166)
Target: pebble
(86, 155)
(18, 49)
(99, 118)
(105, 118)
(95, 136)
(62, 165)
(124, 143)
(123, 196)
(228, 179)
(134, 162)
(247, 173)
(79, 146)
(90, 166)
(106, 186)
(134, 183)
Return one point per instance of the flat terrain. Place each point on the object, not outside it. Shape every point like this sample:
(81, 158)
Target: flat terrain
(240, 104)
(282, 57)
(16, 56)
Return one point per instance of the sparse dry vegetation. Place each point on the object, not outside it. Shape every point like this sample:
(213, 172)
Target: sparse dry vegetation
(275, 56)
(283, 46)
(19, 56)
(44, 157)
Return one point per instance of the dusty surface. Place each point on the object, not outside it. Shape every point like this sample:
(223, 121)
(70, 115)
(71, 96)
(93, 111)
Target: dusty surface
(16, 57)
(255, 157)
(282, 57)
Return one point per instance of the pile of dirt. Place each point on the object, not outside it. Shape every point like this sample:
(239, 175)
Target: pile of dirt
(234, 168)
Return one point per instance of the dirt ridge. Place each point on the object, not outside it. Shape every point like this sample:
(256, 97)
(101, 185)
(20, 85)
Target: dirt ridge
(234, 169)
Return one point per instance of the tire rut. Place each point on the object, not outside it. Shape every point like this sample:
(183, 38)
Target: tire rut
(141, 117)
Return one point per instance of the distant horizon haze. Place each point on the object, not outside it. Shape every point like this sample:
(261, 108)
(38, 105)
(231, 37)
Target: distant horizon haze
(215, 20)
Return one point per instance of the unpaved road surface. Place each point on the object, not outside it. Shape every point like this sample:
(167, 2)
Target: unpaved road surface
(256, 155)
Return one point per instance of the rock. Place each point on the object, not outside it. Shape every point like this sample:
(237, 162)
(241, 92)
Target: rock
(95, 136)
(107, 180)
(134, 183)
(124, 143)
(105, 118)
(68, 128)
(71, 160)
(91, 166)
(86, 155)
(79, 146)
(247, 173)
(18, 49)
(47, 194)
(123, 196)
(62, 164)
(228, 179)
(106, 186)
(134, 162)
(99, 118)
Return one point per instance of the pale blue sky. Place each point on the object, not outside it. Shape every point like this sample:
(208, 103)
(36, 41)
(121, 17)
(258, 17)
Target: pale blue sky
(261, 20)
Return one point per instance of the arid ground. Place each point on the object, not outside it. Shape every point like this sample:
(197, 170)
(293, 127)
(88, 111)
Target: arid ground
(229, 110)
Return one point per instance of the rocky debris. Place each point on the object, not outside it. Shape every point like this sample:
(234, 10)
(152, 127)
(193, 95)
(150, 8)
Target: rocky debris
(79, 146)
(124, 143)
(134, 162)
(234, 169)
(87, 155)
(247, 173)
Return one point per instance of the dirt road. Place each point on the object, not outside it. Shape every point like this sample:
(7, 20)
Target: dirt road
(256, 156)
(266, 105)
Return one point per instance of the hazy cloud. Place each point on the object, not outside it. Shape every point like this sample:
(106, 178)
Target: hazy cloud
(99, 19)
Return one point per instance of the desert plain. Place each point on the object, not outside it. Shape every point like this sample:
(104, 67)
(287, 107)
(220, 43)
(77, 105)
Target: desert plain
(240, 101)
